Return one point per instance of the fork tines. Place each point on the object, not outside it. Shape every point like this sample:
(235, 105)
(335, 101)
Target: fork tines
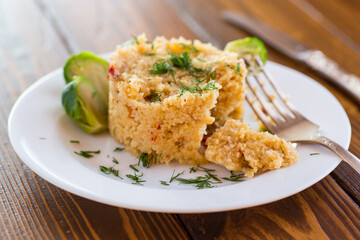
(265, 97)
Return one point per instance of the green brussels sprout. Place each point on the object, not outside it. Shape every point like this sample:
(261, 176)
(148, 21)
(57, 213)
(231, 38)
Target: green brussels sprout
(247, 48)
(84, 105)
(92, 67)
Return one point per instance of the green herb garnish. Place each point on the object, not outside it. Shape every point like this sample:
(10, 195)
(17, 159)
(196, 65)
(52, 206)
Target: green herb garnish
(156, 96)
(174, 177)
(311, 154)
(133, 168)
(74, 141)
(282, 150)
(199, 182)
(136, 178)
(209, 86)
(110, 170)
(180, 62)
(189, 47)
(115, 161)
(118, 149)
(194, 169)
(87, 154)
(164, 183)
(150, 54)
(135, 40)
(148, 159)
(234, 177)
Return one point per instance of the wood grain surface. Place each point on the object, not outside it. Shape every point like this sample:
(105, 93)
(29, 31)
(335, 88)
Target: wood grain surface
(37, 36)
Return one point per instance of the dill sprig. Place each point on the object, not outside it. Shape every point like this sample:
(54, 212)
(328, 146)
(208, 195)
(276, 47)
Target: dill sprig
(74, 141)
(237, 69)
(189, 47)
(180, 62)
(118, 149)
(176, 176)
(234, 177)
(155, 96)
(136, 178)
(148, 159)
(87, 154)
(164, 183)
(115, 161)
(200, 182)
(110, 170)
(133, 168)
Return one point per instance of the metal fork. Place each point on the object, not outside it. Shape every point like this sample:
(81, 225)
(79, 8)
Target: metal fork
(280, 117)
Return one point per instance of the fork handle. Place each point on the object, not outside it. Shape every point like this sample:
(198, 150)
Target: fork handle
(344, 154)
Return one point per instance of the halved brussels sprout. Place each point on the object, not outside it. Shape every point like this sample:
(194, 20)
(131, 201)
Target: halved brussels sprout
(247, 48)
(84, 105)
(92, 67)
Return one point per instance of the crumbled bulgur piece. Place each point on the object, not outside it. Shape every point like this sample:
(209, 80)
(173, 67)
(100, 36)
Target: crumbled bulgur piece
(239, 148)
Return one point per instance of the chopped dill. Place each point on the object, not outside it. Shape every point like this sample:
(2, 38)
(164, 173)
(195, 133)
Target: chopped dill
(282, 150)
(118, 149)
(194, 169)
(161, 67)
(201, 60)
(180, 62)
(209, 86)
(150, 54)
(74, 141)
(189, 47)
(200, 182)
(148, 159)
(311, 154)
(164, 183)
(110, 170)
(234, 177)
(156, 96)
(87, 154)
(115, 161)
(133, 168)
(176, 176)
(136, 178)
(135, 39)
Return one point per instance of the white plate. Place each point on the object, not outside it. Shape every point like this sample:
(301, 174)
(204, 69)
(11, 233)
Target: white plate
(40, 133)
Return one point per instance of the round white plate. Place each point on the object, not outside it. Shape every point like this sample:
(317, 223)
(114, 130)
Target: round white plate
(40, 133)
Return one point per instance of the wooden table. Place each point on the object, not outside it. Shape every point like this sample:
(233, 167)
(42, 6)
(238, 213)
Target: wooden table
(37, 36)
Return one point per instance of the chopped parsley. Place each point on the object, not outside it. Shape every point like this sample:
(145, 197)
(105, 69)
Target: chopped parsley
(118, 149)
(87, 154)
(74, 141)
(234, 177)
(110, 170)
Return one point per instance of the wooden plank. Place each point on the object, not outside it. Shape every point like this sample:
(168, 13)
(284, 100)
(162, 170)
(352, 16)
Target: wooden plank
(320, 212)
(32, 43)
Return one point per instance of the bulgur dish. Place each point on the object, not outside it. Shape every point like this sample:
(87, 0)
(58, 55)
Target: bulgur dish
(182, 100)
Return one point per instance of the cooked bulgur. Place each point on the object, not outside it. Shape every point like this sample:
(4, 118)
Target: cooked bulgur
(176, 123)
(168, 96)
(239, 148)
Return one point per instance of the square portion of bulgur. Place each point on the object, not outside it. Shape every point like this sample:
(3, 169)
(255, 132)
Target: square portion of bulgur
(166, 94)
